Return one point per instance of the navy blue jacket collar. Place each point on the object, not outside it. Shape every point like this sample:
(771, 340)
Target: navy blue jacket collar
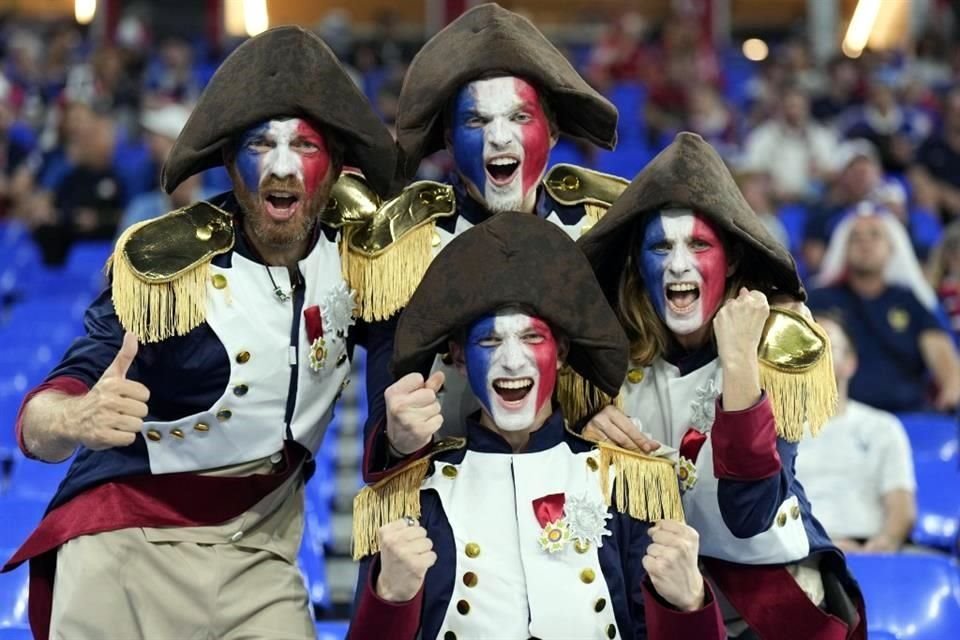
(484, 440)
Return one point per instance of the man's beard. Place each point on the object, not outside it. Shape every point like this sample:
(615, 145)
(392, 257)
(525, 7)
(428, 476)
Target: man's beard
(276, 234)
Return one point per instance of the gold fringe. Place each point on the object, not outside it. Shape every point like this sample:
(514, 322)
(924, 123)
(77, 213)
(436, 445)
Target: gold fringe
(593, 213)
(385, 281)
(647, 487)
(807, 398)
(386, 501)
(155, 311)
(579, 398)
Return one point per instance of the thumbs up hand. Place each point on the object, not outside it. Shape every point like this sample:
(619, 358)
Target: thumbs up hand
(413, 412)
(111, 413)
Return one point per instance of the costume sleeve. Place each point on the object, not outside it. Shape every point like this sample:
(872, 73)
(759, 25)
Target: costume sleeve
(373, 617)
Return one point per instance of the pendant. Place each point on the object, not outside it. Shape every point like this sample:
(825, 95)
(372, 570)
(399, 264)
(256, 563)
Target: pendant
(555, 536)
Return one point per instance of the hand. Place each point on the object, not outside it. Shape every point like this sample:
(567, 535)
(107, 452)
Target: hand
(413, 412)
(405, 555)
(111, 413)
(671, 563)
(611, 424)
(788, 302)
(848, 546)
(881, 543)
(738, 327)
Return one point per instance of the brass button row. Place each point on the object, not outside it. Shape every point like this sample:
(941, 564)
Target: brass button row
(472, 550)
(450, 472)
(592, 463)
(155, 436)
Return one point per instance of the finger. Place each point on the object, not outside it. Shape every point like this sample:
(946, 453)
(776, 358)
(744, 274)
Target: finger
(661, 551)
(133, 390)
(127, 407)
(632, 431)
(613, 433)
(124, 358)
(406, 384)
(127, 424)
(429, 559)
(432, 425)
(435, 381)
(673, 526)
(410, 534)
(417, 399)
(653, 566)
(391, 528)
(419, 546)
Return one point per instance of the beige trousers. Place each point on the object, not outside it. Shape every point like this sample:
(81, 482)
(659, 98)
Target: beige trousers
(235, 581)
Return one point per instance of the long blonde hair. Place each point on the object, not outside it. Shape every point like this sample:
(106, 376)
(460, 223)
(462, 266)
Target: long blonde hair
(649, 336)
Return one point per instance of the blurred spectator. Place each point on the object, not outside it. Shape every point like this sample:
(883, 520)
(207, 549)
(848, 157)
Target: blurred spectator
(861, 179)
(841, 90)
(708, 115)
(938, 159)
(895, 130)
(797, 149)
(858, 473)
(17, 141)
(618, 56)
(758, 192)
(172, 77)
(872, 281)
(162, 125)
(943, 272)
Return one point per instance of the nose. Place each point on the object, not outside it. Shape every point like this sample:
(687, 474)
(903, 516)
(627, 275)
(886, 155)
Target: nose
(285, 163)
(678, 263)
(498, 133)
(513, 356)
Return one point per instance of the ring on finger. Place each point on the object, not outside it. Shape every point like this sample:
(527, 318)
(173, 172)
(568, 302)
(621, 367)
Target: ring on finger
(410, 521)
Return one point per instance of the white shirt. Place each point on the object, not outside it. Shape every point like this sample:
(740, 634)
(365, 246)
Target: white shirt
(861, 455)
(790, 154)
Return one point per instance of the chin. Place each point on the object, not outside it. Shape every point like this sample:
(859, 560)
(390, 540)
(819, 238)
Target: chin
(684, 325)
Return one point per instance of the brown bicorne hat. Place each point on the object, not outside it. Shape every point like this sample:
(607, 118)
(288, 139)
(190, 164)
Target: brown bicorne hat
(283, 72)
(514, 259)
(490, 39)
(689, 174)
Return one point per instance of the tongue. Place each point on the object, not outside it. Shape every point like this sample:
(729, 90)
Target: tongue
(683, 299)
(512, 395)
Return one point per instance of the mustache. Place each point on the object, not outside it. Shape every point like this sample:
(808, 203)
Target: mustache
(291, 184)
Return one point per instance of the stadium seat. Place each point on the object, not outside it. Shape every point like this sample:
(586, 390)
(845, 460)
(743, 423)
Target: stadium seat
(15, 633)
(625, 161)
(311, 558)
(330, 629)
(794, 219)
(35, 481)
(20, 517)
(13, 600)
(566, 152)
(932, 436)
(629, 98)
(909, 596)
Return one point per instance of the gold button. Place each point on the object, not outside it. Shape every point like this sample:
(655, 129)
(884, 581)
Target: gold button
(463, 607)
(470, 579)
(599, 605)
(582, 546)
(154, 435)
(473, 549)
(611, 631)
(449, 635)
(781, 519)
(204, 233)
(201, 426)
(341, 359)
(587, 576)
(243, 357)
(224, 414)
(795, 512)
(435, 239)
(240, 390)
(177, 433)
(450, 472)
(592, 463)
(635, 376)
(219, 281)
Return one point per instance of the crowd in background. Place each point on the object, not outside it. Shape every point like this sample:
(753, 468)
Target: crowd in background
(85, 127)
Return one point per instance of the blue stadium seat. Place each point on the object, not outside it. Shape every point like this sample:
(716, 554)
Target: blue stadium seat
(794, 219)
(86, 261)
(566, 152)
(938, 511)
(625, 161)
(331, 629)
(630, 99)
(20, 518)
(33, 480)
(15, 633)
(915, 596)
(932, 436)
(310, 559)
(13, 600)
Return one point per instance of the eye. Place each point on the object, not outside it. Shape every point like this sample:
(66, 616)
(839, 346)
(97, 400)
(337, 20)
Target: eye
(700, 245)
(533, 338)
(476, 122)
(260, 145)
(664, 246)
(489, 342)
(522, 118)
(305, 146)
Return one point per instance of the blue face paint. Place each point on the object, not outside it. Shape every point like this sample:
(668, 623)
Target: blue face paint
(468, 140)
(248, 160)
(478, 358)
(652, 263)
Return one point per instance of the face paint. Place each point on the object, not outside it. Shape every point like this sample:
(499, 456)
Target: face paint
(282, 164)
(511, 363)
(501, 141)
(684, 265)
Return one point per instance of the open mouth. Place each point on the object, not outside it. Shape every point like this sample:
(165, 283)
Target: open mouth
(503, 169)
(512, 391)
(682, 296)
(281, 205)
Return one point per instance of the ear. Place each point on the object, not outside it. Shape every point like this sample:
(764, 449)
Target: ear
(735, 257)
(563, 350)
(458, 357)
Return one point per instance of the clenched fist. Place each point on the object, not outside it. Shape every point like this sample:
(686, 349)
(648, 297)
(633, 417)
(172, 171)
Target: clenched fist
(405, 555)
(611, 424)
(738, 327)
(671, 563)
(413, 411)
(111, 413)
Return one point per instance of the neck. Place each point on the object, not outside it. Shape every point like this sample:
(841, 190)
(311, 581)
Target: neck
(517, 439)
(284, 256)
(866, 285)
(695, 340)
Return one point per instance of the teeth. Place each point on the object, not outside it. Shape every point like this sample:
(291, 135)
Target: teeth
(514, 384)
(503, 162)
(684, 286)
(281, 194)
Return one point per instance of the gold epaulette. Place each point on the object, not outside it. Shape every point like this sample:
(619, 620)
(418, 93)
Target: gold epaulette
(160, 269)
(571, 185)
(385, 258)
(796, 370)
(352, 202)
(579, 398)
(391, 498)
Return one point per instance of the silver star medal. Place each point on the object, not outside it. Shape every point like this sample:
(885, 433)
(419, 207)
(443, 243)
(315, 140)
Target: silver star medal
(704, 407)
(337, 311)
(587, 520)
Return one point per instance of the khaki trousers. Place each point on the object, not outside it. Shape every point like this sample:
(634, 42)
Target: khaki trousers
(235, 581)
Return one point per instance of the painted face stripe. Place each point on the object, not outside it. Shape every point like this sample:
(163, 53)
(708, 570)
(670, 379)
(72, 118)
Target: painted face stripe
(478, 359)
(535, 136)
(284, 158)
(316, 164)
(712, 265)
(653, 264)
(545, 354)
